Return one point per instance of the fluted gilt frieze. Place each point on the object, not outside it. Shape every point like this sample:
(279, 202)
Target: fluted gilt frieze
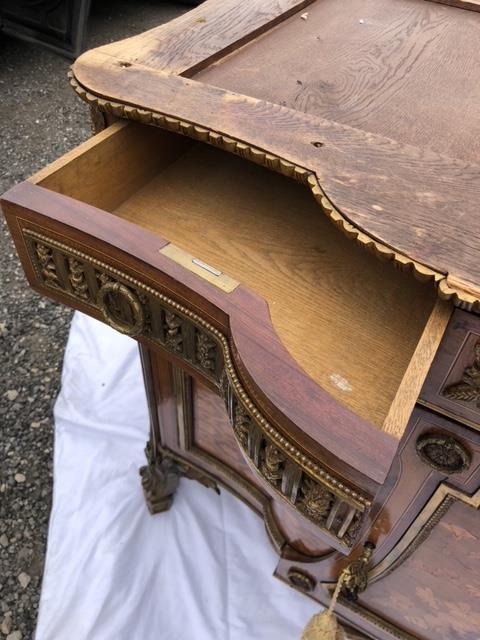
(320, 502)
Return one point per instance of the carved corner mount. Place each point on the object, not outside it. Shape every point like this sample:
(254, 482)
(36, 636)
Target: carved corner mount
(190, 471)
(468, 389)
(443, 453)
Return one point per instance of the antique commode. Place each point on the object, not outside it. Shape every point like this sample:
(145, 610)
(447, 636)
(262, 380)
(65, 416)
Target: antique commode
(281, 206)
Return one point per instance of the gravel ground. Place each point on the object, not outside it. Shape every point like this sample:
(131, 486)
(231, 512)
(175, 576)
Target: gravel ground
(40, 119)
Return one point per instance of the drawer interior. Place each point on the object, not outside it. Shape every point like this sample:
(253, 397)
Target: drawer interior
(352, 322)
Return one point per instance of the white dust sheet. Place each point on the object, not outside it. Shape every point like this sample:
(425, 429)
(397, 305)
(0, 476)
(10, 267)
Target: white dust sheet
(202, 571)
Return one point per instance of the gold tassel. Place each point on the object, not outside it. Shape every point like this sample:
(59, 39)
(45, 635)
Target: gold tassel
(324, 626)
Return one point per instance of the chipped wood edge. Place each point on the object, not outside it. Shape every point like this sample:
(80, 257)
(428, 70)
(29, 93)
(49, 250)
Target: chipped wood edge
(459, 293)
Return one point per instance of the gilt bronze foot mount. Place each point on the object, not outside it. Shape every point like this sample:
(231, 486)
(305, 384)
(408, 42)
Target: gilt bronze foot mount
(159, 481)
(160, 477)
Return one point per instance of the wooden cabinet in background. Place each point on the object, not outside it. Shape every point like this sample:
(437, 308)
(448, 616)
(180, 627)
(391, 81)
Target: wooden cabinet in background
(280, 205)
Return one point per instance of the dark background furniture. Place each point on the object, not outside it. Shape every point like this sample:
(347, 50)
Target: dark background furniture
(59, 25)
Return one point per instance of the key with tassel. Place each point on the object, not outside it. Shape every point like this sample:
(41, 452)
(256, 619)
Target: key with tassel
(352, 581)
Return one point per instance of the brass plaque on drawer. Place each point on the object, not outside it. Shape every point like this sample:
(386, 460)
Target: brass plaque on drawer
(200, 268)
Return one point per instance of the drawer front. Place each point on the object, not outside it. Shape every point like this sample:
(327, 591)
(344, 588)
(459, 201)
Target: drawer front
(127, 304)
(133, 307)
(320, 458)
(453, 384)
(131, 193)
(429, 584)
(431, 587)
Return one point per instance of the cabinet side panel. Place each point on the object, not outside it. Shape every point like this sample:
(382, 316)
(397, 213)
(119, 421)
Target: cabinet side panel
(213, 433)
(435, 593)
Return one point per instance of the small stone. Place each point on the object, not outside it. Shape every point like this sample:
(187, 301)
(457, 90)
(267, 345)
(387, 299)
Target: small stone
(12, 394)
(16, 635)
(4, 540)
(20, 477)
(6, 625)
(24, 580)
(25, 553)
(35, 425)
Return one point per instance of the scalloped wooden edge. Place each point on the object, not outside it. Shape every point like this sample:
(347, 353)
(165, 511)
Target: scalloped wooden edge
(458, 295)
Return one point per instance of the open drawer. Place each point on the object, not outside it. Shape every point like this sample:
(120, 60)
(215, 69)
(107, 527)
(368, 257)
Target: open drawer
(360, 329)
(317, 347)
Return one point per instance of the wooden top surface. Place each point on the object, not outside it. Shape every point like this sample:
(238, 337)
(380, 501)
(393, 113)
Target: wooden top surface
(412, 74)
(377, 98)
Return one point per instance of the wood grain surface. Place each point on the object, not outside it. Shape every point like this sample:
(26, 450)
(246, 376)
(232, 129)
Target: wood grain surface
(417, 370)
(337, 311)
(436, 592)
(473, 5)
(411, 199)
(104, 170)
(391, 67)
(204, 34)
(237, 217)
